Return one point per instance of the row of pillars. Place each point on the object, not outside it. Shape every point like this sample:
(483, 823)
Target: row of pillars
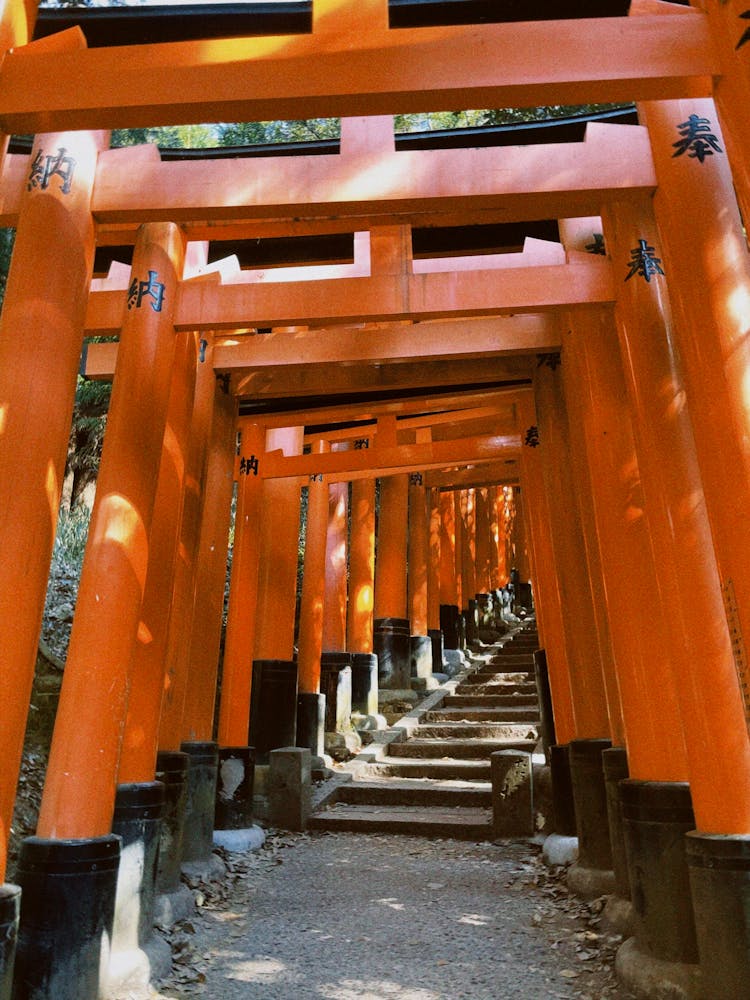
(636, 479)
(636, 486)
(142, 667)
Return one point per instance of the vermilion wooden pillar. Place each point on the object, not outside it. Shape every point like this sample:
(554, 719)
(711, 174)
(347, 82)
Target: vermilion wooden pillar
(79, 790)
(313, 581)
(584, 664)
(140, 740)
(707, 265)
(208, 605)
(493, 554)
(418, 553)
(450, 597)
(179, 633)
(710, 702)
(239, 641)
(501, 537)
(334, 606)
(728, 22)
(582, 479)
(361, 567)
(458, 530)
(448, 579)
(16, 28)
(547, 583)
(277, 577)
(509, 512)
(468, 543)
(390, 565)
(434, 559)
(46, 292)
(482, 562)
(648, 682)
(519, 537)
(391, 630)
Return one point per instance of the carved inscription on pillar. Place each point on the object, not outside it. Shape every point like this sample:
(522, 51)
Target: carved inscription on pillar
(44, 168)
(738, 643)
(248, 465)
(746, 36)
(696, 139)
(643, 261)
(151, 289)
(532, 436)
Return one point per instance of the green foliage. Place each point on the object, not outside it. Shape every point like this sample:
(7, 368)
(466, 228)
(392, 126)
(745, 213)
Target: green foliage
(434, 121)
(87, 435)
(7, 237)
(439, 120)
(167, 136)
(507, 116)
(70, 540)
(257, 133)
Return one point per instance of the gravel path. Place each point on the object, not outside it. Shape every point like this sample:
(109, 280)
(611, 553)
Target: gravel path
(347, 917)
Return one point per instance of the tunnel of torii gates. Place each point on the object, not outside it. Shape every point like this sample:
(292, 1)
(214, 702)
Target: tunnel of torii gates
(601, 378)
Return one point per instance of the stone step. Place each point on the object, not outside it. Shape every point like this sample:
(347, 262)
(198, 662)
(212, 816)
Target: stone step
(483, 729)
(525, 677)
(426, 767)
(528, 713)
(492, 689)
(457, 749)
(417, 792)
(479, 692)
(490, 700)
(457, 824)
(511, 660)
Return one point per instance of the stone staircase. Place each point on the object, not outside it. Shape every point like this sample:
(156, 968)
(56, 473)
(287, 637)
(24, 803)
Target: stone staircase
(430, 775)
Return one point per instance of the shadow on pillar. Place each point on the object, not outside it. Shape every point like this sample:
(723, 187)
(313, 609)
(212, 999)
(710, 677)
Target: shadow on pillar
(198, 839)
(273, 706)
(656, 817)
(618, 910)
(10, 908)
(336, 686)
(544, 694)
(311, 722)
(471, 622)
(172, 772)
(436, 638)
(234, 788)
(365, 683)
(719, 870)
(420, 657)
(449, 617)
(563, 803)
(390, 643)
(137, 955)
(67, 915)
(592, 874)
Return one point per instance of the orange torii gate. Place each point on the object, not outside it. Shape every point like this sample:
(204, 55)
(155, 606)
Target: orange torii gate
(352, 63)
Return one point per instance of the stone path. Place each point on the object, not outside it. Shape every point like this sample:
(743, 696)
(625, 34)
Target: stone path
(348, 917)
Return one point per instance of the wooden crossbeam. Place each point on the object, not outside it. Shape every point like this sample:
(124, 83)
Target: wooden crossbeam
(328, 412)
(204, 305)
(502, 473)
(367, 183)
(341, 70)
(344, 466)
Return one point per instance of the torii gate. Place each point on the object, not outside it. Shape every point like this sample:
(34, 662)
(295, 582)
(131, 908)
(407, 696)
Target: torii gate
(672, 60)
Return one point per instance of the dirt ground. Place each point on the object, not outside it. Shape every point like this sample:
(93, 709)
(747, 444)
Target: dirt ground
(352, 917)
